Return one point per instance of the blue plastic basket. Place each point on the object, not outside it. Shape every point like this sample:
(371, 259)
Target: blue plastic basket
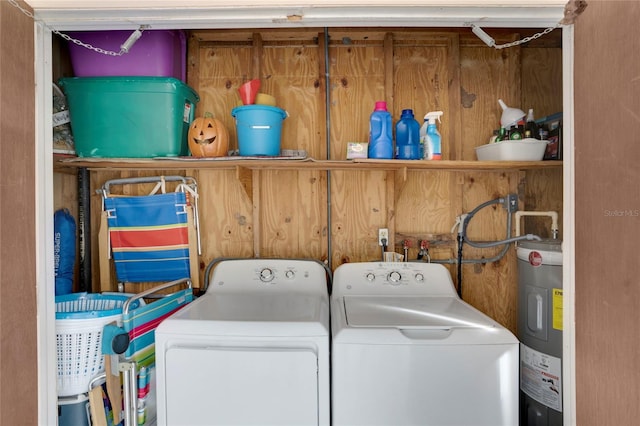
(89, 305)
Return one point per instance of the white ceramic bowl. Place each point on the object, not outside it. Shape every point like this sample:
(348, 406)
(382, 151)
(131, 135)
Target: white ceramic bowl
(528, 149)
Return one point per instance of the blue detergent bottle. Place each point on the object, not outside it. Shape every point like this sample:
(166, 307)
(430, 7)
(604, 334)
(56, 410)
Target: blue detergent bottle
(380, 132)
(408, 137)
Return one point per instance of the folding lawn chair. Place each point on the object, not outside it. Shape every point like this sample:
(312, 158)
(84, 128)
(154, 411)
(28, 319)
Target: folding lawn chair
(151, 238)
(138, 362)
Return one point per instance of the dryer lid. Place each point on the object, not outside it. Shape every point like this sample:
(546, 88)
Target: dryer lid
(413, 312)
(251, 315)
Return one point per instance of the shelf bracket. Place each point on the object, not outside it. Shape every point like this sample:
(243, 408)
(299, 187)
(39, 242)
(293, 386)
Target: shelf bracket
(400, 179)
(245, 177)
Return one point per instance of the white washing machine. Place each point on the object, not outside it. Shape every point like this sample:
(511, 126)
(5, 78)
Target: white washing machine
(408, 351)
(253, 350)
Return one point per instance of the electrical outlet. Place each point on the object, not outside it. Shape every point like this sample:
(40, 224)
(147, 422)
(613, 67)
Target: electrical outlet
(511, 203)
(383, 234)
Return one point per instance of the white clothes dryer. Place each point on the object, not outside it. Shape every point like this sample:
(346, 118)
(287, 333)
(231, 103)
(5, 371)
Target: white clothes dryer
(406, 350)
(252, 350)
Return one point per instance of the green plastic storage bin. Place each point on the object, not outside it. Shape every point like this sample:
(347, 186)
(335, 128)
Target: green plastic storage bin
(129, 117)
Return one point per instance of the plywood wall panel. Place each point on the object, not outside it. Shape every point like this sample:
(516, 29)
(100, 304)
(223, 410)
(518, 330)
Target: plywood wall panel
(221, 71)
(359, 201)
(66, 194)
(542, 192)
(490, 287)
(486, 75)
(290, 73)
(489, 223)
(293, 214)
(421, 80)
(293, 204)
(225, 215)
(542, 81)
(358, 210)
(424, 204)
(421, 74)
(356, 82)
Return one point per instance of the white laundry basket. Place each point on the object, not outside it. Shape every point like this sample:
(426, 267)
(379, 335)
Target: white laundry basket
(80, 318)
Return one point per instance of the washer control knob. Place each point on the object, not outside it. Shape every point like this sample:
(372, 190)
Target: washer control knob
(289, 274)
(419, 277)
(395, 277)
(371, 277)
(266, 275)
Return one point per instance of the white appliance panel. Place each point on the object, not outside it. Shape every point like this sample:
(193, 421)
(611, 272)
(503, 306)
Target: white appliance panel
(425, 385)
(407, 351)
(253, 350)
(387, 279)
(241, 386)
(252, 314)
(268, 275)
(412, 312)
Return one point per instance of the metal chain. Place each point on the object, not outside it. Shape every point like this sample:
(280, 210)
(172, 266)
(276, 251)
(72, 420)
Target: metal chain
(22, 9)
(526, 39)
(124, 48)
(73, 40)
(88, 46)
(123, 51)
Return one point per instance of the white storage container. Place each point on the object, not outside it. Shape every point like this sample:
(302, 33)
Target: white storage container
(521, 150)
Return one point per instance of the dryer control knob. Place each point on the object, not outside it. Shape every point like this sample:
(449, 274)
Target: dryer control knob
(395, 277)
(266, 275)
(419, 277)
(371, 277)
(289, 274)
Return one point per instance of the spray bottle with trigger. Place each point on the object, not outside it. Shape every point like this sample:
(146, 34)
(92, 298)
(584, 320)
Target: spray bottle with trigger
(430, 137)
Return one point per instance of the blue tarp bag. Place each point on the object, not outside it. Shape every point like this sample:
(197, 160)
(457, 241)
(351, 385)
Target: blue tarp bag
(64, 250)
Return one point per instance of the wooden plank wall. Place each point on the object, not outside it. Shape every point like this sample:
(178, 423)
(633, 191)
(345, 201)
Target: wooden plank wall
(19, 207)
(301, 213)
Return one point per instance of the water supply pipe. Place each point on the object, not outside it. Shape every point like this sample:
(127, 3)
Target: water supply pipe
(554, 220)
(462, 222)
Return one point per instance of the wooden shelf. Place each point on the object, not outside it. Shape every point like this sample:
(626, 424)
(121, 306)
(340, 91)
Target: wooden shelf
(295, 164)
(246, 169)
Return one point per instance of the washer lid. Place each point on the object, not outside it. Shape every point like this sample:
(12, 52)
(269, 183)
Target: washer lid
(413, 312)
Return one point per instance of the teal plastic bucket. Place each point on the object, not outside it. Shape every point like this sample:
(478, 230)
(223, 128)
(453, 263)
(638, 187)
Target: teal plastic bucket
(259, 129)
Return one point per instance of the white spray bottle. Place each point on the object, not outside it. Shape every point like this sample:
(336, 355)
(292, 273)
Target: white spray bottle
(430, 137)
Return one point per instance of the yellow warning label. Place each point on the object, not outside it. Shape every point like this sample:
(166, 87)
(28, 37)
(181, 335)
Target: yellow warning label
(557, 308)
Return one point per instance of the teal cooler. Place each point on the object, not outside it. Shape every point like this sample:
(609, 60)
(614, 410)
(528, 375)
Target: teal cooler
(130, 117)
(259, 129)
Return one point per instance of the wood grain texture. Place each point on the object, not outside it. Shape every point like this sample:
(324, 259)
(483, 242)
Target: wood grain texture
(358, 210)
(486, 75)
(357, 77)
(542, 81)
(300, 209)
